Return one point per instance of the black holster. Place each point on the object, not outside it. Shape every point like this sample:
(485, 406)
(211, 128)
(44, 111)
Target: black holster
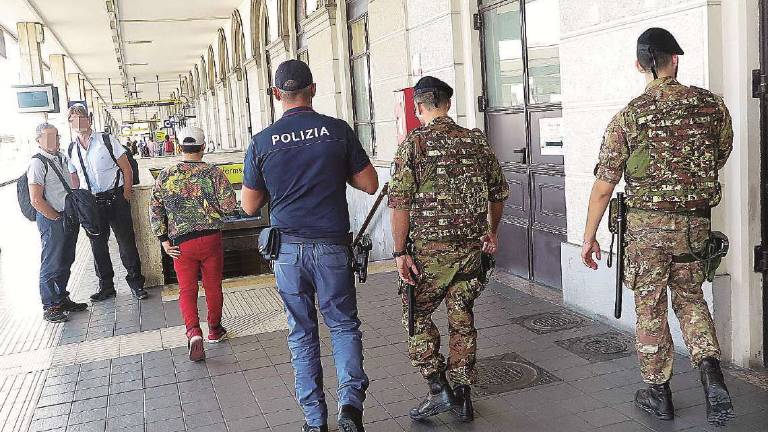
(269, 243)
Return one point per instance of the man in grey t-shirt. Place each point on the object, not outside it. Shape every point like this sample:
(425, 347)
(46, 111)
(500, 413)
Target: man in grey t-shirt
(47, 194)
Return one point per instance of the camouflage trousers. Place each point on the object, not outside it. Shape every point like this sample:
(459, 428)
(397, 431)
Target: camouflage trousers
(448, 272)
(653, 238)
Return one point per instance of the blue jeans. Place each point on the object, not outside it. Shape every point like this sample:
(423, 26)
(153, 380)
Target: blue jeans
(304, 270)
(56, 259)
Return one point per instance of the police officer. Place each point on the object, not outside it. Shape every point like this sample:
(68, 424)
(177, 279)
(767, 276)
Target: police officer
(301, 164)
(669, 144)
(446, 195)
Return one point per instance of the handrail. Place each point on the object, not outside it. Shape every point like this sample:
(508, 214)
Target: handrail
(6, 183)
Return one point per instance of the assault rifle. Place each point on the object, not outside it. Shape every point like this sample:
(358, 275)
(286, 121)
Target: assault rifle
(617, 225)
(362, 244)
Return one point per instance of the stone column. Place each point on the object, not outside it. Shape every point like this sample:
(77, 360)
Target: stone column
(91, 106)
(59, 78)
(31, 35)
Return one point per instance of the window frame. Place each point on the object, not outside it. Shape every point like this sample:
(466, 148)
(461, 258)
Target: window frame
(527, 101)
(371, 123)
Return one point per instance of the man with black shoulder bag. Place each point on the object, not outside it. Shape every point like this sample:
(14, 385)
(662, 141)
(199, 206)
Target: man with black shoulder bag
(48, 195)
(99, 164)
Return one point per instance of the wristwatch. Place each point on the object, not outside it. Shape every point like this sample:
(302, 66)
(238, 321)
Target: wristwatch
(399, 254)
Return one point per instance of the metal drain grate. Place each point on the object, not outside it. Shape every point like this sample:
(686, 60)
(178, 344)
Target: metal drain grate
(599, 347)
(508, 372)
(548, 322)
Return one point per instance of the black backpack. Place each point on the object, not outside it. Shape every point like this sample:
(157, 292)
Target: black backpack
(132, 161)
(22, 192)
(129, 155)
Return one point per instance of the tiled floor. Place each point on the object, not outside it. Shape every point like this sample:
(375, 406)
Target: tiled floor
(246, 383)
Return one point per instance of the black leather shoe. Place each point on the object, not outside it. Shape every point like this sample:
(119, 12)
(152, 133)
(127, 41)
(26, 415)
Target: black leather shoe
(103, 294)
(70, 306)
(140, 293)
(350, 419)
(463, 408)
(308, 428)
(719, 406)
(439, 400)
(656, 400)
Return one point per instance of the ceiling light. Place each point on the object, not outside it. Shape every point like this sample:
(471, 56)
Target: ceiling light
(137, 64)
(138, 42)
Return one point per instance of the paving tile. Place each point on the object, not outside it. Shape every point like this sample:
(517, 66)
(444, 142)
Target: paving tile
(126, 421)
(88, 393)
(47, 423)
(124, 409)
(248, 424)
(167, 425)
(89, 404)
(89, 416)
(203, 419)
(93, 426)
(170, 412)
(283, 417)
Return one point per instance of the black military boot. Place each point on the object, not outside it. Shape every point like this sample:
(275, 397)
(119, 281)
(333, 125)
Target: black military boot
(719, 406)
(350, 419)
(656, 400)
(462, 407)
(440, 398)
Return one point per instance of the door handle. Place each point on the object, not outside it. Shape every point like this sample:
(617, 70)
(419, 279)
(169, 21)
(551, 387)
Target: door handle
(521, 151)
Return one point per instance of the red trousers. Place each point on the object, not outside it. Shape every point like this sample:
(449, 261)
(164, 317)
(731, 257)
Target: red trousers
(204, 254)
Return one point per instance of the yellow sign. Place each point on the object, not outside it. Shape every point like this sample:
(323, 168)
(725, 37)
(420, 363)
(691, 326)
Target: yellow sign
(160, 136)
(233, 171)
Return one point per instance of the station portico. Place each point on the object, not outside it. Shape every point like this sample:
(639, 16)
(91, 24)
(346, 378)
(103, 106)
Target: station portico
(542, 78)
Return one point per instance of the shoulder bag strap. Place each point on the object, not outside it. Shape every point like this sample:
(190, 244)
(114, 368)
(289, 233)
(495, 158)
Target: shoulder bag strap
(48, 163)
(82, 166)
(108, 144)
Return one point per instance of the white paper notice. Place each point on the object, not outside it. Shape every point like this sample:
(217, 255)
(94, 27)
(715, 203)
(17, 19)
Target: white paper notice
(551, 136)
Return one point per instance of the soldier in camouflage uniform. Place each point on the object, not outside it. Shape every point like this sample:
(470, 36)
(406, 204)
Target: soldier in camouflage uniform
(187, 209)
(669, 144)
(447, 193)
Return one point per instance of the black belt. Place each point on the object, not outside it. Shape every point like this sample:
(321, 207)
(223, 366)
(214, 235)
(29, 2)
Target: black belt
(702, 212)
(107, 195)
(343, 241)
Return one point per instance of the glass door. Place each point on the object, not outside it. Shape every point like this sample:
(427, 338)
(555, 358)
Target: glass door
(521, 75)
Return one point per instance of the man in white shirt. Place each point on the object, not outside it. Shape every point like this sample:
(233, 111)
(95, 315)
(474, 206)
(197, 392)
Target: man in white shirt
(47, 194)
(103, 168)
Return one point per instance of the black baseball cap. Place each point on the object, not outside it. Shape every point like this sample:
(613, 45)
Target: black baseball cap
(659, 40)
(430, 84)
(293, 75)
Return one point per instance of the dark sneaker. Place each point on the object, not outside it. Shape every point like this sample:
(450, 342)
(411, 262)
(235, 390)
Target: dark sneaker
(104, 294)
(439, 400)
(656, 400)
(350, 419)
(55, 314)
(70, 306)
(140, 294)
(217, 334)
(196, 349)
(308, 428)
(719, 405)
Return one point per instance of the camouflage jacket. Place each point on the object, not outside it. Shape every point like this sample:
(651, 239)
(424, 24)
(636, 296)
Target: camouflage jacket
(189, 197)
(669, 144)
(445, 175)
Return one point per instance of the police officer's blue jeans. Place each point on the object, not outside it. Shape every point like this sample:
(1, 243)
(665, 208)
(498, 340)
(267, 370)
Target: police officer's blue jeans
(302, 271)
(58, 254)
